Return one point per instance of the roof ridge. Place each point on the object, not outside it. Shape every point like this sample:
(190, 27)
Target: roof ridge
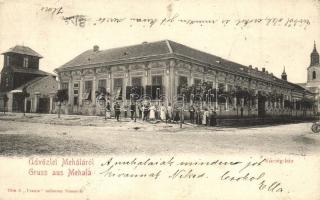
(21, 49)
(30, 82)
(121, 47)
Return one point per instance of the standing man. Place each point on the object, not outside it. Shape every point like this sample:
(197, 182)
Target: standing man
(191, 110)
(117, 110)
(169, 112)
(132, 110)
(140, 110)
(146, 112)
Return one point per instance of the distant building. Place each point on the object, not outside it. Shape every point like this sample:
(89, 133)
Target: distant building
(21, 72)
(313, 76)
(160, 69)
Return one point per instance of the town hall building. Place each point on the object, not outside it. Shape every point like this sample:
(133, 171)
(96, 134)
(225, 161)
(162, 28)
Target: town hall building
(158, 70)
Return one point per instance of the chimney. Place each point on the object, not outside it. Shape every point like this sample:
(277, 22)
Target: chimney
(263, 69)
(250, 66)
(95, 48)
(256, 68)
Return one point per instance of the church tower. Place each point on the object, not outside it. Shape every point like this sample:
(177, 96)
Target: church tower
(314, 68)
(284, 74)
(314, 57)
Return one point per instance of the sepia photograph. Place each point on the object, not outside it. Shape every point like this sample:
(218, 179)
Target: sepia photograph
(170, 99)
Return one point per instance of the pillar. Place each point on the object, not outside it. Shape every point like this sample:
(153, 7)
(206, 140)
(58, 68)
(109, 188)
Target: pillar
(10, 101)
(173, 87)
(51, 95)
(25, 105)
(93, 92)
(70, 92)
(81, 90)
(36, 102)
(167, 84)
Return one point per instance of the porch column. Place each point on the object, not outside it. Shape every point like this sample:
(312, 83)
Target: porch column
(25, 105)
(51, 95)
(167, 84)
(172, 75)
(80, 90)
(36, 101)
(10, 101)
(93, 93)
(126, 82)
(70, 91)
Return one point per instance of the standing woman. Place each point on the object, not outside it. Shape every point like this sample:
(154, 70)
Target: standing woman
(108, 110)
(163, 113)
(205, 116)
(152, 112)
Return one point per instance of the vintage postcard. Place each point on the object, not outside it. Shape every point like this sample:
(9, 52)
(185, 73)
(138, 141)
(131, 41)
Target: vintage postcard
(167, 99)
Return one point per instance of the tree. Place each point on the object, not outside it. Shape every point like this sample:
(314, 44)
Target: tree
(5, 100)
(61, 96)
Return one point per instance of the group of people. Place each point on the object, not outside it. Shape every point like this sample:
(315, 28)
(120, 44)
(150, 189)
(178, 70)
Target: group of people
(150, 112)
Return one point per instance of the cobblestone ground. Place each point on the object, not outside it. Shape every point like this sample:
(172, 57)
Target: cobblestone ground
(36, 134)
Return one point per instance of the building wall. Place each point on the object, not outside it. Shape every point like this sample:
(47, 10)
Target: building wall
(170, 70)
(45, 88)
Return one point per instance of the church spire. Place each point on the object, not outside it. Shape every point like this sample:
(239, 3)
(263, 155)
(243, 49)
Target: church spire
(314, 57)
(284, 74)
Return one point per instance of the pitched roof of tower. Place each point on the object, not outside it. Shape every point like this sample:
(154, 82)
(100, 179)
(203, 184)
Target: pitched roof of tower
(314, 48)
(23, 50)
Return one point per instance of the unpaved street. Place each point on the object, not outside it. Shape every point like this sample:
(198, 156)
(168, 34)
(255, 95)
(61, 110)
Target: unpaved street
(20, 136)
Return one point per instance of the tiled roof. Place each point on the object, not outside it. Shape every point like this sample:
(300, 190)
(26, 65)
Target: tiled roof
(30, 71)
(122, 53)
(32, 82)
(164, 47)
(29, 83)
(23, 50)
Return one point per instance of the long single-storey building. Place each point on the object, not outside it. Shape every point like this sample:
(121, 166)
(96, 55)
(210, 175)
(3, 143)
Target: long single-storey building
(159, 70)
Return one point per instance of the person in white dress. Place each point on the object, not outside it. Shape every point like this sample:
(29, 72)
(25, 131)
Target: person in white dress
(163, 113)
(152, 115)
(205, 116)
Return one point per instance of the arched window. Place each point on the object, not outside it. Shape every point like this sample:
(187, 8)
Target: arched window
(314, 75)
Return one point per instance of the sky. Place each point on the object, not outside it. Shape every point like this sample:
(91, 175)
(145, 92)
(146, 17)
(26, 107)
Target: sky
(262, 44)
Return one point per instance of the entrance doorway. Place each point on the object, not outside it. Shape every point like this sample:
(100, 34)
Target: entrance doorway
(28, 106)
(261, 105)
(44, 104)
